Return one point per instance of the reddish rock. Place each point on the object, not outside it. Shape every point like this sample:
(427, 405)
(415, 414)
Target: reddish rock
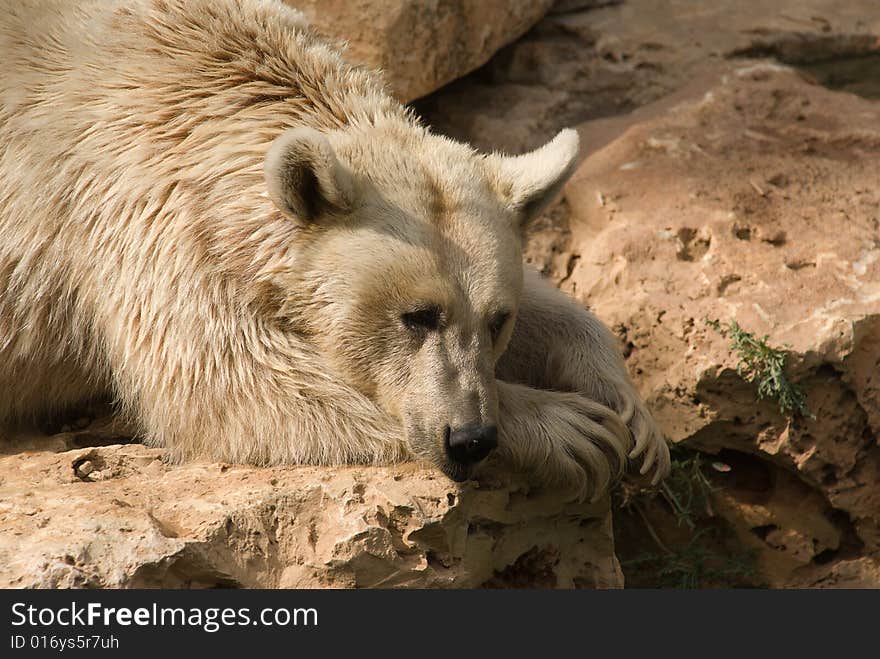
(757, 201)
(118, 516)
(422, 46)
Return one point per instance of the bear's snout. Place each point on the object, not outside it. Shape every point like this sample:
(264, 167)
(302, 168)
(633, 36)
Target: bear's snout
(470, 444)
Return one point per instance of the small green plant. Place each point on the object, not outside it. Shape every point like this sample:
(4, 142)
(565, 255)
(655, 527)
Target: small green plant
(764, 365)
(697, 565)
(687, 490)
(701, 561)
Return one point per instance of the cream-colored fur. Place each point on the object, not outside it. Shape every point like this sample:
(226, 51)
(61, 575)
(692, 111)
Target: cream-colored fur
(210, 217)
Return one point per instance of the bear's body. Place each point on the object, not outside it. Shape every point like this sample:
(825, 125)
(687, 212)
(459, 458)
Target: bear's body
(209, 217)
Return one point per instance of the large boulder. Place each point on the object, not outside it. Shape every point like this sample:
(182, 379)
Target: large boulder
(758, 201)
(76, 511)
(421, 46)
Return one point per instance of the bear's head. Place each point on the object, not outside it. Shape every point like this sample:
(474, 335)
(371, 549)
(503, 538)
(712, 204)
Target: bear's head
(409, 269)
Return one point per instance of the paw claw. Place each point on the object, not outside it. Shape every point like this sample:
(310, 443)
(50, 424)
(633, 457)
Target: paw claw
(658, 476)
(648, 462)
(650, 446)
(628, 411)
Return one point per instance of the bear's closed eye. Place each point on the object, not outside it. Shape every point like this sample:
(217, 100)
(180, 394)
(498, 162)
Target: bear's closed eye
(423, 319)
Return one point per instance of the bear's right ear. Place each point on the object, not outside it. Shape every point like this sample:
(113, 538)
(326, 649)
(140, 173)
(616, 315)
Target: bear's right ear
(304, 177)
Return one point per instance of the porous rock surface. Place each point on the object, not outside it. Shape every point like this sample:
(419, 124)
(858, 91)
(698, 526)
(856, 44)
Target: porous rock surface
(757, 201)
(77, 510)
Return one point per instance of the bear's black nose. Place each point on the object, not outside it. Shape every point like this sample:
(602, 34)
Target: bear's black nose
(470, 444)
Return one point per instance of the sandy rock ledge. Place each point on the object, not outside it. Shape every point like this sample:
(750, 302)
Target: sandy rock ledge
(118, 516)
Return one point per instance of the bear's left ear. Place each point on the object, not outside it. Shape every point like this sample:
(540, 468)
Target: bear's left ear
(305, 179)
(528, 183)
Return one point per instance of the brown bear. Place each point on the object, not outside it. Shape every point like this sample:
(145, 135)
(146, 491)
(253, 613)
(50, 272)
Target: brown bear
(211, 218)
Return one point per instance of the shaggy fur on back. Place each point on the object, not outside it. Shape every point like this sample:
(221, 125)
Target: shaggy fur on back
(183, 127)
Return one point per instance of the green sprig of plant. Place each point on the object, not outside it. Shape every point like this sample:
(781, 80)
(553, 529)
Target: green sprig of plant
(698, 563)
(765, 366)
(687, 489)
